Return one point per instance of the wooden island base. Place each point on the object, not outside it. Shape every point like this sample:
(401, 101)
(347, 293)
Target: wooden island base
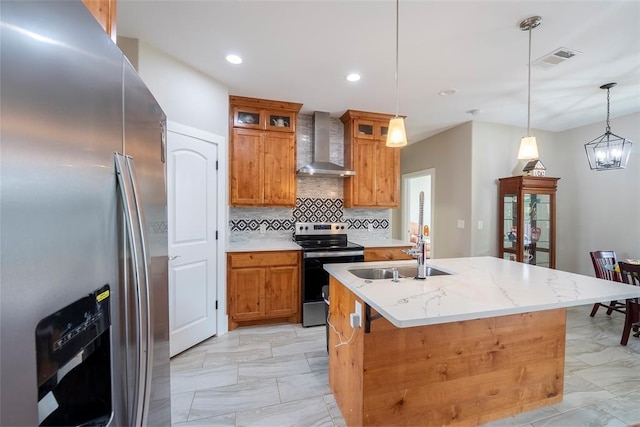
(461, 373)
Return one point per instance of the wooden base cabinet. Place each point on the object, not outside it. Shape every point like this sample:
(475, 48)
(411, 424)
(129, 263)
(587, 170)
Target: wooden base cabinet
(262, 152)
(386, 254)
(263, 287)
(461, 373)
(527, 220)
(377, 179)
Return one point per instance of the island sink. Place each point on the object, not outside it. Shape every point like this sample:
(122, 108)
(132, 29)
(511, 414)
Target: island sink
(387, 273)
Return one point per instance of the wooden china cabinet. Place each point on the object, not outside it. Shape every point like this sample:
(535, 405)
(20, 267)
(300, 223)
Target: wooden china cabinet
(262, 152)
(527, 220)
(377, 167)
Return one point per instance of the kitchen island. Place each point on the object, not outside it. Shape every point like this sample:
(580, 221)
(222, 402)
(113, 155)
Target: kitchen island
(482, 343)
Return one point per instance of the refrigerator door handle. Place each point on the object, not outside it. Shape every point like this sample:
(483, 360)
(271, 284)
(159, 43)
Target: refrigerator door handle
(144, 289)
(128, 203)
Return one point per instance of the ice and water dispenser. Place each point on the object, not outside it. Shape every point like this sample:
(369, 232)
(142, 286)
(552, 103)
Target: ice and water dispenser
(74, 363)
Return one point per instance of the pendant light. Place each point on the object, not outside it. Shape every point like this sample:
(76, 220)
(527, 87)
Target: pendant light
(528, 146)
(608, 151)
(396, 134)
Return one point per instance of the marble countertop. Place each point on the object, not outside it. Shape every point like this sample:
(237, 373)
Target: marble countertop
(383, 243)
(263, 245)
(274, 244)
(478, 287)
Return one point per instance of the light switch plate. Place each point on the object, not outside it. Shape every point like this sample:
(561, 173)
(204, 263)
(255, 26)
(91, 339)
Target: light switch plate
(480, 225)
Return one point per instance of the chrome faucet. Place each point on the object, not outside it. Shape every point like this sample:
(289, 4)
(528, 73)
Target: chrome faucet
(420, 251)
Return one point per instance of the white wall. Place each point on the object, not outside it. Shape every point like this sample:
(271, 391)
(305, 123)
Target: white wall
(449, 153)
(186, 95)
(597, 210)
(494, 155)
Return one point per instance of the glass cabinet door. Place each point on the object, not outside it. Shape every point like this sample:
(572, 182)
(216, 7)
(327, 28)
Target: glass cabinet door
(537, 229)
(510, 226)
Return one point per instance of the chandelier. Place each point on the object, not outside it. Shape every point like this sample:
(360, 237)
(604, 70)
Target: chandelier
(608, 151)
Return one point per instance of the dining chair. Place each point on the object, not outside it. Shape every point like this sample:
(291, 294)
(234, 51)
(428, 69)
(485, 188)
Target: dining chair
(604, 263)
(630, 273)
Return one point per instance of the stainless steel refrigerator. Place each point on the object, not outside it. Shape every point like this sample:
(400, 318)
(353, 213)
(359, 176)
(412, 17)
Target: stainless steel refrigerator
(83, 227)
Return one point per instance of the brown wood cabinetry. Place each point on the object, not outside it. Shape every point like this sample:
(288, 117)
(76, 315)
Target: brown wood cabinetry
(105, 13)
(527, 220)
(377, 179)
(263, 287)
(262, 152)
(386, 254)
(460, 373)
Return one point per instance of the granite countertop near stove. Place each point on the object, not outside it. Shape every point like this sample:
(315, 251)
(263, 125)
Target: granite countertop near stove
(478, 287)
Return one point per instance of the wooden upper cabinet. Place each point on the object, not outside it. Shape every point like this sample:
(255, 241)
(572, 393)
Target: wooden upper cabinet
(262, 152)
(247, 165)
(387, 176)
(279, 177)
(377, 167)
(105, 13)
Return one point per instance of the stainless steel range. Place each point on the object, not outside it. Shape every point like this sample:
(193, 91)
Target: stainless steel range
(322, 243)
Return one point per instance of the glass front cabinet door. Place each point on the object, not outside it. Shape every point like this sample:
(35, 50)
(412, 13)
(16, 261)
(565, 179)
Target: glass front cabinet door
(527, 229)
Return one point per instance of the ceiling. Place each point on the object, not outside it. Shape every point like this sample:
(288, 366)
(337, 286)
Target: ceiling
(301, 51)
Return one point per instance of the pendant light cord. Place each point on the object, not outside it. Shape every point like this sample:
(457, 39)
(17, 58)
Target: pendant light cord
(397, 37)
(608, 123)
(529, 89)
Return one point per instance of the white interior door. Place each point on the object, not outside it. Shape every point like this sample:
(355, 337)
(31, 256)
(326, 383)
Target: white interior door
(192, 219)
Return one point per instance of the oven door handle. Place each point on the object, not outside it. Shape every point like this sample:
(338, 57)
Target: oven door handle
(331, 254)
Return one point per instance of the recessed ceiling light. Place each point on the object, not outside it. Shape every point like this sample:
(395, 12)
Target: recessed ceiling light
(234, 59)
(354, 77)
(447, 92)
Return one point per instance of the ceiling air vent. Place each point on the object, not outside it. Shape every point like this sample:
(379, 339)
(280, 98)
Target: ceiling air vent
(554, 58)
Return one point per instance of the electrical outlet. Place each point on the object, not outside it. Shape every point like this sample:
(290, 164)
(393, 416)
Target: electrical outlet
(461, 223)
(480, 225)
(370, 227)
(354, 320)
(358, 312)
(263, 228)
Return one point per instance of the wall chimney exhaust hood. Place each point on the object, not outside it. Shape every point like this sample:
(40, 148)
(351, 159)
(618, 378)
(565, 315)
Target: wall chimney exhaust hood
(321, 165)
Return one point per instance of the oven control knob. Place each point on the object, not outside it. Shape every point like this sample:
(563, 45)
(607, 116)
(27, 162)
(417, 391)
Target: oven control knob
(342, 227)
(306, 228)
(301, 228)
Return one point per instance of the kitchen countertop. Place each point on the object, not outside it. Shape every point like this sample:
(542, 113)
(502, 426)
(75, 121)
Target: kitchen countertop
(263, 245)
(384, 243)
(479, 287)
(267, 244)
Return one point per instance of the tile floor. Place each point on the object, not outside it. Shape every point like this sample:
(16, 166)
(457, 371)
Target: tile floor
(277, 376)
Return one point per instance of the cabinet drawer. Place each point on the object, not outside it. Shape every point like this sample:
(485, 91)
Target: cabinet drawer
(263, 259)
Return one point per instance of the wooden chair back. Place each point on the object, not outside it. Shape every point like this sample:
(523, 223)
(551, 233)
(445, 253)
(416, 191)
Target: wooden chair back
(630, 273)
(604, 263)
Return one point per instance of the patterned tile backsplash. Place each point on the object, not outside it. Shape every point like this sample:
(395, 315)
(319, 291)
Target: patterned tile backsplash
(307, 210)
(319, 199)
